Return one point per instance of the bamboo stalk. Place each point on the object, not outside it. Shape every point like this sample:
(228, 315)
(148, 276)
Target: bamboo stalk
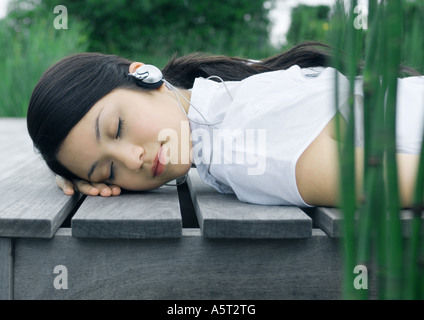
(394, 23)
(370, 227)
(353, 46)
(377, 240)
(347, 196)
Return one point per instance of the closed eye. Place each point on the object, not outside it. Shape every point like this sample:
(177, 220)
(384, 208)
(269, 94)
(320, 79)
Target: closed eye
(112, 172)
(120, 128)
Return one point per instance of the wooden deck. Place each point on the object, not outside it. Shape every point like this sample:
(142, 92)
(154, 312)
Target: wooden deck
(172, 243)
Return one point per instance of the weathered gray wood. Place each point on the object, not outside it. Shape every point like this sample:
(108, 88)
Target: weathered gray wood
(6, 271)
(154, 214)
(224, 216)
(31, 205)
(16, 149)
(331, 221)
(190, 267)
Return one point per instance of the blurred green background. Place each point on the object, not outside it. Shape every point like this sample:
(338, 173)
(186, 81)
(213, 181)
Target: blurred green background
(150, 31)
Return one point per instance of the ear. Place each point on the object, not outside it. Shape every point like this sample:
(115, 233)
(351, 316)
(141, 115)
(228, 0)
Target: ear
(134, 66)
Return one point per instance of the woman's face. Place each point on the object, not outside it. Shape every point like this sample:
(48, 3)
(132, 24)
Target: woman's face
(136, 140)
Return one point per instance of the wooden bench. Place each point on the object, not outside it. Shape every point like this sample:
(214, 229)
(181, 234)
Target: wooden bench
(172, 243)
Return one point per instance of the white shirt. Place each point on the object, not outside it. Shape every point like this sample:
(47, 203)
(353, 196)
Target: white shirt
(259, 128)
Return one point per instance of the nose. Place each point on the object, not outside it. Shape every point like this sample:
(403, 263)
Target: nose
(130, 155)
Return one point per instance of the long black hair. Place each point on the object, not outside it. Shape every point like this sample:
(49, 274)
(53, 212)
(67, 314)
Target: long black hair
(69, 88)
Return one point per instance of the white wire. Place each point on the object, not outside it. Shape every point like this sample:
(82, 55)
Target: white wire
(223, 82)
(175, 91)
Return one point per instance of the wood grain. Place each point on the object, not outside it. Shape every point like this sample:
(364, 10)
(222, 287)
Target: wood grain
(31, 205)
(6, 269)
(190, 267)
(330, 220)
(154, 214)
(16, 149)
(224, 216)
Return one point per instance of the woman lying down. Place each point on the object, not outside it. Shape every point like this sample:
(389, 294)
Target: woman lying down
(264, 130)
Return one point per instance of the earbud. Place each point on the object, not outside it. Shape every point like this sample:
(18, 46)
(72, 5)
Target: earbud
(150, 76)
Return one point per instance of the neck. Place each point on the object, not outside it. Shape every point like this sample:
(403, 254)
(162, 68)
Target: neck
(176, 94)
(187, 95)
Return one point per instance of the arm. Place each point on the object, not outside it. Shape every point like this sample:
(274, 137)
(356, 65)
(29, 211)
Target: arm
(92, 189)
(317, 172)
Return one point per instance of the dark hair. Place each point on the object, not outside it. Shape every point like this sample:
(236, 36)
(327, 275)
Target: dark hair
(68, 89)
(183, 70)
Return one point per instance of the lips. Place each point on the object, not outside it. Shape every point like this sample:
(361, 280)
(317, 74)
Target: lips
(159, 162)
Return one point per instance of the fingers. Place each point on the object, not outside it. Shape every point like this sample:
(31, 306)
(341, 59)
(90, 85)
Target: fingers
(92, 189)
(66, 185)
(116, 190)
(86, 187)
(107, 190)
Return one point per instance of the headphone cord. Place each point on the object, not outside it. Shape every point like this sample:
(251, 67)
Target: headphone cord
(175, 91)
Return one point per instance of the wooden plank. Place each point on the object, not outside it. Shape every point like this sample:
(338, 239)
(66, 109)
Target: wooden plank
(6, 271)
(154, 214)
(224, 216)
(31, 205)
(190, 267)
(16, 148)
(330, 220)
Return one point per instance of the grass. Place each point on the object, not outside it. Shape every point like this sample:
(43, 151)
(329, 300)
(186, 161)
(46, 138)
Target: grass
(26, 52)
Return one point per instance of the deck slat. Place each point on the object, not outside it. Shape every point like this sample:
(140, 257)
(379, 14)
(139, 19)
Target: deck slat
(31, 205)
(15, 146)
(330, 220)
(154, 214)
(224, 216)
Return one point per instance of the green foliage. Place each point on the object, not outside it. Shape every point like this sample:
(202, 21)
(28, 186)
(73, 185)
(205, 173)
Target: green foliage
(308, 23)
(153, 30)
(26, 51)
(314, 23)
(145, 30)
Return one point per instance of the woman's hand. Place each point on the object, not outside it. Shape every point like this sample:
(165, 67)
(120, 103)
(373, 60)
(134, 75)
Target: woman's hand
(91, 189)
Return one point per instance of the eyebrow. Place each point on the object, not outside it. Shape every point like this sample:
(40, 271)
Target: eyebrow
(97, 130)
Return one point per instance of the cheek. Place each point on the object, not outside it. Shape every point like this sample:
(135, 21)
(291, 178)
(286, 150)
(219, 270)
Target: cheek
(147, 126)
(77, 155)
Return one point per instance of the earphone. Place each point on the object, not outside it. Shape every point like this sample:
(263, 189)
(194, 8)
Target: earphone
(151, 77)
